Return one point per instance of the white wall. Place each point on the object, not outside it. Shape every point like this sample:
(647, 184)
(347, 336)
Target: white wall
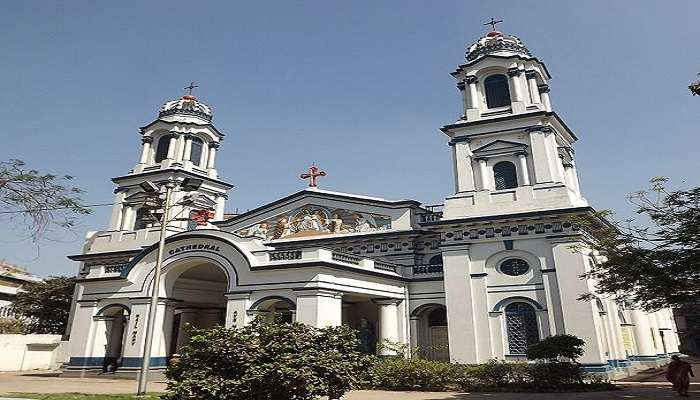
(29, 352)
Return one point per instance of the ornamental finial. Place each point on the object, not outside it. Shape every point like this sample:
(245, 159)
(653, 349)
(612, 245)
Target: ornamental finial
(189, 89)
(493, 24)
(313, 173)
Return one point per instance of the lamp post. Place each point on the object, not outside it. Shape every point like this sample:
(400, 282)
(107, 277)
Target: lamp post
(153, 191)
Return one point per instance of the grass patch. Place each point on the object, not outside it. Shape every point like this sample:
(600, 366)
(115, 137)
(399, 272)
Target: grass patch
(82, 396)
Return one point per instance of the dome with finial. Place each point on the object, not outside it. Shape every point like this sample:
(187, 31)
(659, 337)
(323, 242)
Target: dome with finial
(187, 106)
(499, 44)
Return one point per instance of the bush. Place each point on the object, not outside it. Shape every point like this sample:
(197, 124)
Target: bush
(13, 326)
(267, 360)
(555, 348)
(423, 375)
(412, 374)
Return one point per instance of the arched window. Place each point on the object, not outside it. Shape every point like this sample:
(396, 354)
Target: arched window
(521, 326)
(505, 176)
(497, 92)
(143, 218)
(162, 148)
(196, 151)
(514, 267)
(435, 260)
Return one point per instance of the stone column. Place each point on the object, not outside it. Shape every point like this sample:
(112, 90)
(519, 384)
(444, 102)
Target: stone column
(484, 173)
(180, 147)
(474, 110)
(465, 102)
(127, 218)
(220, 207)
(513, 73)
(236, 309)
(524, 173)
(459, 302)
(188, 148)
(579, 317)
(212, 154)
(115, 222)
(518, 101)
(320, 307)
(541, 154)
(414, 323)
(388, 324)
(171, 145)
(146, 149)
(543, 90)
(187, 316)
(531, 76)
(656, 334)
(463, 172)
(81, 338)
(642, 335)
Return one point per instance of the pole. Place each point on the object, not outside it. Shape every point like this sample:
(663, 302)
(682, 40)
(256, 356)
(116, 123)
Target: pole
(153, 307)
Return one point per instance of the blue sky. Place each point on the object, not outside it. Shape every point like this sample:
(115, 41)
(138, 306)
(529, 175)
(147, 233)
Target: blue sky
(360, 88)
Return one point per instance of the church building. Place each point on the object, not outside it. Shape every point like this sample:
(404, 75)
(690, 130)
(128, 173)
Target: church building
(494, 269)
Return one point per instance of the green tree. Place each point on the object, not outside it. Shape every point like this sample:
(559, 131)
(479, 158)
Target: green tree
(267, 360)
(46, 304)
(40, 200)
(555, 348)
(653, 265)
(695, 88)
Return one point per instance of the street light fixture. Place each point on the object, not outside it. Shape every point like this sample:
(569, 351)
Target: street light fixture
(153, 193)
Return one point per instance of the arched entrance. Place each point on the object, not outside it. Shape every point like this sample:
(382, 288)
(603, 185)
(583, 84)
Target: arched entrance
(275, 307)
(198, 287)
(432, 332)
(114, 317)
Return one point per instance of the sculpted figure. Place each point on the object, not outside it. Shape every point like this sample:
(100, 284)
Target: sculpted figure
(282, 228)
(336, 224)
(361, 224)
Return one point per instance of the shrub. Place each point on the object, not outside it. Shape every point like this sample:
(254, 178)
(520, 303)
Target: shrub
(555, 348)
(423, 375)
(267, 360)
(397, 373)
(13, 326)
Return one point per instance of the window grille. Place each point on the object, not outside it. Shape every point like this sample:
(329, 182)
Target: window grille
(497, 91)
(514, 267)
(505, 175)
(521, 324)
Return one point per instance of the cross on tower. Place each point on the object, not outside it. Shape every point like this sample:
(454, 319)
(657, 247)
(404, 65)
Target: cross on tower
(189, 88)
(313, 173)
(493, 23)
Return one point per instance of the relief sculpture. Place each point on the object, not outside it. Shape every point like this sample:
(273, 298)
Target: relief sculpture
(312, 220)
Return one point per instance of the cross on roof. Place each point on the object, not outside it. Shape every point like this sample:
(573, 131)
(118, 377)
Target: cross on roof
(189, 88)
(493, 23)
(313, 173)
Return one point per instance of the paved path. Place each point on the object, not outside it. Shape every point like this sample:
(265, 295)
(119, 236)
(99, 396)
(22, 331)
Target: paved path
(50, 383)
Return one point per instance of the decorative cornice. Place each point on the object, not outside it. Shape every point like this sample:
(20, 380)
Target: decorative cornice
(214, 145)
(496, 46)
(189, 136)
(543, 88)
(146, 139)
(538, 128)
(461, 86)
(482, 158)
(471, 79)
(515, 71)
(531, 74)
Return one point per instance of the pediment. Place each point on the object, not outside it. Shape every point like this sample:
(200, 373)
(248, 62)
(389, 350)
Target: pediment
(500, 147)
(314, 212)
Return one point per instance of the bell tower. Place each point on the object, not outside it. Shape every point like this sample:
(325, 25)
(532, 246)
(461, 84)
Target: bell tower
(180, 144)
(511, 152)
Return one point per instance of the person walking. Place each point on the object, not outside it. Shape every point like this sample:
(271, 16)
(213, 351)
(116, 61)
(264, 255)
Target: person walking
(679, 373)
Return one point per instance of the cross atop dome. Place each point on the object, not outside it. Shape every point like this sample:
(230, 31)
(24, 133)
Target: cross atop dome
(493, 24)
(189, 95)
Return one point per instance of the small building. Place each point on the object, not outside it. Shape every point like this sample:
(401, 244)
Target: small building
(12, 278)
(480, 277)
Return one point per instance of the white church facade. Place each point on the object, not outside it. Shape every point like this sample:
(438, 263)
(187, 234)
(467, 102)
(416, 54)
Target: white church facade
(482, 277)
